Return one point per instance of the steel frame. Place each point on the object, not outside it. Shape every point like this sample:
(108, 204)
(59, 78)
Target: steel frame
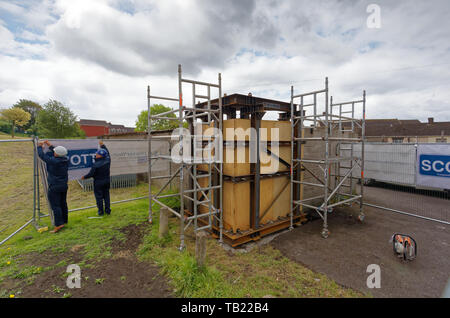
(327, 121)
(188, 167)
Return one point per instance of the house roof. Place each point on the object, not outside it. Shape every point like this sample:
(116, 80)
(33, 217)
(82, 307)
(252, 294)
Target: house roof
(402, 128)
(103, 123)
(92, 122)
(138, 133)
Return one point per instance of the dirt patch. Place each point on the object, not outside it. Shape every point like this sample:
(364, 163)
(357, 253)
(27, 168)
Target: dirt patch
(121, 276)
(352, 246)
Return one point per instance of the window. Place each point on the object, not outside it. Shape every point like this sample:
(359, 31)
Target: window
(397, 140)
(442, 139)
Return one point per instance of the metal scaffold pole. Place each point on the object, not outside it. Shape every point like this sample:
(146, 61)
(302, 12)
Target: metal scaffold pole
(182, 166)
(326, 169)
(220, 146)
(363, 138)
(149, 156)
(293, 157)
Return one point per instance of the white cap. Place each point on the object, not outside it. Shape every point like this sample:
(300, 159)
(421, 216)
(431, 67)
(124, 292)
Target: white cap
(60, 151)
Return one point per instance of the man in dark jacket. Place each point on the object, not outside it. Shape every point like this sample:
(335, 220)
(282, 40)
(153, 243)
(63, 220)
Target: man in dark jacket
(57, 170)
(100, 173)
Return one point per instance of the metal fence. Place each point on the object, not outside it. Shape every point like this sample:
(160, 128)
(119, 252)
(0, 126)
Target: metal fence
(120, 181)
(30, 198)
(390, 183)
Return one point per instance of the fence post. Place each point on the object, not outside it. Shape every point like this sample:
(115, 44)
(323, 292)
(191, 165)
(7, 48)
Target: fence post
(163, 222)
(200, 248)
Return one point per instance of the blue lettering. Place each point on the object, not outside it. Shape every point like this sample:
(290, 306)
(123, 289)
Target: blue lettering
(81, 158)
(435, 165)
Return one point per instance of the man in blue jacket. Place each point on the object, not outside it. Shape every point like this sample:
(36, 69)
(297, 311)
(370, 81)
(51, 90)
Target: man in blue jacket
(57, 176)
(100, 172)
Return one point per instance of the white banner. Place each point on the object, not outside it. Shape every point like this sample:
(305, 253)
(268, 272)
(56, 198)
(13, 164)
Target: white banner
(127, 157)
(433, 165)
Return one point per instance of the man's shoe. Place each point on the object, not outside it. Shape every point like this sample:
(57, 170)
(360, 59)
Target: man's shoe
(57, 229)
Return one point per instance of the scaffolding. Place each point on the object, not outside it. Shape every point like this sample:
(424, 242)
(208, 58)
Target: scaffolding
(190, 178)
(343, 161)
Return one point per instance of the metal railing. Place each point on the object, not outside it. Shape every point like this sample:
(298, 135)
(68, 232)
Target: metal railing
(40, 175)
(116, 182)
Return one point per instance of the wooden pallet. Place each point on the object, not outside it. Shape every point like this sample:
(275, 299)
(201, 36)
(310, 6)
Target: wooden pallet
(237, 239)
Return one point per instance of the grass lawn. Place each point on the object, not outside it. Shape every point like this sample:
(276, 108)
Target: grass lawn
(28, 257)
(260, 272)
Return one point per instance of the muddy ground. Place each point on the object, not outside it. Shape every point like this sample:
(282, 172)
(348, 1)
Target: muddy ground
(351, 247)
(122, 276)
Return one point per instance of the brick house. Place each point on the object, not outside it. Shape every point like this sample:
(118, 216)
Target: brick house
(94, 128)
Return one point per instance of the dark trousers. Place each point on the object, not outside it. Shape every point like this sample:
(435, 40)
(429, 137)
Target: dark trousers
(101, 192)
(58, 203)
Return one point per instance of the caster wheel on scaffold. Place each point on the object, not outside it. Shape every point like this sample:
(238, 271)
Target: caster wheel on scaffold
(361, 217)
(325, 233)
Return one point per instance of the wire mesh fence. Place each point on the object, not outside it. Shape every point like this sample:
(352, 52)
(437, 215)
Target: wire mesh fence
(120, 181)
(16, 184)
(18, 205)
(391, 183)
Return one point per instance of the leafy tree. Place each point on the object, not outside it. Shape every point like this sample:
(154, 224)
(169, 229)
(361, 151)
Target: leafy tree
(5, 126)
(33, 108)
(16, 116)
(157, 124)
(57, 121)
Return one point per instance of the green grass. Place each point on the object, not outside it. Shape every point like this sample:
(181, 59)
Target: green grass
(4, 135)
(261, 272)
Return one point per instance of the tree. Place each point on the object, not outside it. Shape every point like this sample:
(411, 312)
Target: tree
(157, 124)
(16, 116)
(33, 108)
(57, 121)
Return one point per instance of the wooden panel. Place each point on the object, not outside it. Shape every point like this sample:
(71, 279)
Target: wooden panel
(239, 126)
(266, 198)
(236, 161)
(282, 205)
(284, 130)
(236, 206)
(270, 165)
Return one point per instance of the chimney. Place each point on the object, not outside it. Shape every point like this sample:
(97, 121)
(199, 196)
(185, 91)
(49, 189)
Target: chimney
(430, 120)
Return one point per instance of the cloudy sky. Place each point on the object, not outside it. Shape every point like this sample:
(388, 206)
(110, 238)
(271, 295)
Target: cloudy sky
(98, 56)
